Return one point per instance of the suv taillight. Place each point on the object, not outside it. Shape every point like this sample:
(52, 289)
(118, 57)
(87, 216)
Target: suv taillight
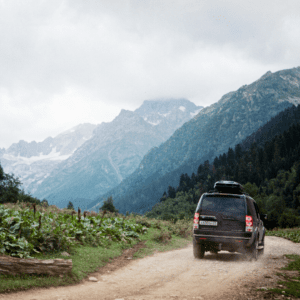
(196, 221)
(249, 224)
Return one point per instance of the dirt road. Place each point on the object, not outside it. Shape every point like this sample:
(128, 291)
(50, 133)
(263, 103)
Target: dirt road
(177, 275)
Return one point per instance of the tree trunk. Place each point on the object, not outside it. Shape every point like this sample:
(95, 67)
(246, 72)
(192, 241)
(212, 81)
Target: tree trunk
(13, 266)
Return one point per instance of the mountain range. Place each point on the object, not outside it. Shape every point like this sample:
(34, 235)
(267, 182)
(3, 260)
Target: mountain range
(211, 132)
(89, 160)
(33, 162)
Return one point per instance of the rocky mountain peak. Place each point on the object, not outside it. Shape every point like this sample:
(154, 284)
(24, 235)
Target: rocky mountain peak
(266, 75)
(271, 87)
(165, 106)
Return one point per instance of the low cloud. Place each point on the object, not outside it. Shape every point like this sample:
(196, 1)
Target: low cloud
(64, 63)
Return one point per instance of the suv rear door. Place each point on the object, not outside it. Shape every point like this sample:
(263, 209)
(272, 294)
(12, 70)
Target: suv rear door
(222, 213)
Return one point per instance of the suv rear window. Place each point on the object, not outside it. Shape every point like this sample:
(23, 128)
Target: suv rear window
(227, 205)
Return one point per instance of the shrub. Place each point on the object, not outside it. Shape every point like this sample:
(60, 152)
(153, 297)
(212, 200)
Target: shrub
(162, 237)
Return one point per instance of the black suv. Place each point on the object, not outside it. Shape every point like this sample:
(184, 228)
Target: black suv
(228, 219)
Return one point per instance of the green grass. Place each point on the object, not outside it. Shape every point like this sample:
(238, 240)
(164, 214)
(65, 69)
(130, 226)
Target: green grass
(291, 284)
(152, 245)
(292, 234)
(87, 259)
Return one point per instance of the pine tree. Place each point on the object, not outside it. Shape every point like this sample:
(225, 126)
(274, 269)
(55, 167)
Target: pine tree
(70, 205)
(238, 152)
(163, 198)
(109, 205)
(171, 192)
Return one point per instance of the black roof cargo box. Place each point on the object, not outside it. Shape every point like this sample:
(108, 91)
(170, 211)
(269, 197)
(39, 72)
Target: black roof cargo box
(229, 187)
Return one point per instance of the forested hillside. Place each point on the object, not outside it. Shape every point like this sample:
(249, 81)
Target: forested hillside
(267, 164)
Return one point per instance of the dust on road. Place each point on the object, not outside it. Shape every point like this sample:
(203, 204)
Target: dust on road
(178, 275)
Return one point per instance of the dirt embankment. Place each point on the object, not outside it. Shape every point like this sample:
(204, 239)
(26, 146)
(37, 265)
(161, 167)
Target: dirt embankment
(177, 275)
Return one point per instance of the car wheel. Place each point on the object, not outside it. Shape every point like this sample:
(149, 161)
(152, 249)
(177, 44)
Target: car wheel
(198, 250)
(261, 248)
(253, 251)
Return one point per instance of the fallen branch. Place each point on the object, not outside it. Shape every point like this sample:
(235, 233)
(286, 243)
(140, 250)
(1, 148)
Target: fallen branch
(14, 266)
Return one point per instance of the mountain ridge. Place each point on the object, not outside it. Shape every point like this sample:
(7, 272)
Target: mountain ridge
(211, 132)
(113, 152)
(34, 161)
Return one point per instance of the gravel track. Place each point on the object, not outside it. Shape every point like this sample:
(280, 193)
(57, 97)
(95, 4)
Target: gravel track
(178, 275)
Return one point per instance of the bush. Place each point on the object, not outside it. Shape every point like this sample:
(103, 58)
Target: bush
(288, 219)
(25, 231)
(162, 237)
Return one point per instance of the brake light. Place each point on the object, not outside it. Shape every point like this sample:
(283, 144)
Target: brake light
(196, 221)
(249, 224)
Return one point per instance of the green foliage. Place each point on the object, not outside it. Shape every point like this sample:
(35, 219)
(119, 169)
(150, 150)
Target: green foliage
(87, 259)
(289, 219)
(173, 209)
(163, 236)
(182, 228)
(290, 234)
(251, 189)
(9, 188)
(24, 232)
(108, 205)
(10, 191)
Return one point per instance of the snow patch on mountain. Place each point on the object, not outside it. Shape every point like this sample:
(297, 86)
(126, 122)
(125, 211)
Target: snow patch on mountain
(53, 155)
(164, 115)
(182, 108)
(33, 162)
(154, 123)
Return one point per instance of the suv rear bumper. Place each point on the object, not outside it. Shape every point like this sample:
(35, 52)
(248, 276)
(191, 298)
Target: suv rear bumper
(231, 240)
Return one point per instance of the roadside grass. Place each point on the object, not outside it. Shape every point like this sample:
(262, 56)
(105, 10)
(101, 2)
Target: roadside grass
(290, 283)
(154, 245)
(87, 259)
(292, 234)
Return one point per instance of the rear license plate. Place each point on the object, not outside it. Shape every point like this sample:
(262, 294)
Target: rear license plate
(209, 223)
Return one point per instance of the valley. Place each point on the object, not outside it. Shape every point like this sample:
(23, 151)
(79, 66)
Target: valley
(140, 154)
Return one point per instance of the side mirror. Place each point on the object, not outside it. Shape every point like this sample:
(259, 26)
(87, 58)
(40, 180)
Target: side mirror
(263, 217)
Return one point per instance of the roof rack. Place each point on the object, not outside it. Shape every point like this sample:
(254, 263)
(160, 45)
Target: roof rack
(230, 187)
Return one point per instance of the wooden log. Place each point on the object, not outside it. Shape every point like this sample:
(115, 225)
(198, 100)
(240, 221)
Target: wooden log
(13, 266)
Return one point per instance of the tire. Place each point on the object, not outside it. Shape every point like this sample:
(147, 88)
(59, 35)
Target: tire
(253, 251)
(198, 250)
(262, 247)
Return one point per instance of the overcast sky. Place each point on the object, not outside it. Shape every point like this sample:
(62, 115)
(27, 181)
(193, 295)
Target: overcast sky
(69, 62)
